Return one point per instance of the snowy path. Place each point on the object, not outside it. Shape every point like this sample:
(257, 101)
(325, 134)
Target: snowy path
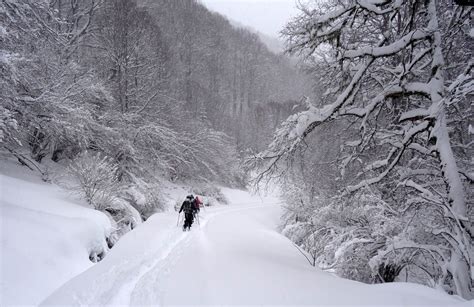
(234, 257)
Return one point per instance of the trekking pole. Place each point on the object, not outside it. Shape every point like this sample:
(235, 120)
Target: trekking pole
(177, 223)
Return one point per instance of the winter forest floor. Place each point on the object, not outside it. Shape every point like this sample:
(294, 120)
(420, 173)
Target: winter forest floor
(235, 255)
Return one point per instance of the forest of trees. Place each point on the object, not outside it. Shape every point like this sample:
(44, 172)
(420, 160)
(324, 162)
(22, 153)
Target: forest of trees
(139, 90)
(371, 144)
(377, 173)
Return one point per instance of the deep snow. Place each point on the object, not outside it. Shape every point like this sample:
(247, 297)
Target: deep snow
(235, 256)
(46, 236)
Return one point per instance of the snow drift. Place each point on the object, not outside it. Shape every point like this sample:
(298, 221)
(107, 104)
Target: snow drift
(46, 238)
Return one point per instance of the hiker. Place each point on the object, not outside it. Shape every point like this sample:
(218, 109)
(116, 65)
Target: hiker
(197, 204)
(189, 209)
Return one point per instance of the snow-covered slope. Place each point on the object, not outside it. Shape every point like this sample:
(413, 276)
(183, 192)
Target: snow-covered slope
(233, 256)
(46, 238)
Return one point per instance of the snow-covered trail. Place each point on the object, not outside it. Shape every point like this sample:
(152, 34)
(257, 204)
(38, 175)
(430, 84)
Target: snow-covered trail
(234, 257)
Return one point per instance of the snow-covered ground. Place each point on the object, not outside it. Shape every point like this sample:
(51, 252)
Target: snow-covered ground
(234, 256)
(46, 236)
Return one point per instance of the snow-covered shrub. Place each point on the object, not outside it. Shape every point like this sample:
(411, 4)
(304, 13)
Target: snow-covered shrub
(95, 178)
(344, 234)
(144, 197)
(154, 202)
(364, 227)
(124, 218)
(212, 194)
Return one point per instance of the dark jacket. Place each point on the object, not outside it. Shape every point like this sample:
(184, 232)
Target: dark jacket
(187, 206)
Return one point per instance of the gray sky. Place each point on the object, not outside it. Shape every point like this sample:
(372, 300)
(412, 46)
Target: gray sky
(266, 16)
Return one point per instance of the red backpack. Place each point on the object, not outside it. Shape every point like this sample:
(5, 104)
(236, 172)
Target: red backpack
(197, 202)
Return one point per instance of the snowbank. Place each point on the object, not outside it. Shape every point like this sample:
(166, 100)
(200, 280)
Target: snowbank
(46, 236)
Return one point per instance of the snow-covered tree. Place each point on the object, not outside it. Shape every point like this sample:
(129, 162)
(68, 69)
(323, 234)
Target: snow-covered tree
(49, 94)
(95, 178)
(401, 73)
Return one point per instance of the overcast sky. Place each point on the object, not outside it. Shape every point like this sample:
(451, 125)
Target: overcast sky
(266, 16)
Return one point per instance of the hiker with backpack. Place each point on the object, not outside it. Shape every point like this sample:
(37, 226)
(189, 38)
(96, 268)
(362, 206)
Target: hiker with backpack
(197, 204)
(189, 209)
(197, 207)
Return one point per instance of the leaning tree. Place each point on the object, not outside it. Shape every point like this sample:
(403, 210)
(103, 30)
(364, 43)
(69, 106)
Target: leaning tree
(401, 71)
